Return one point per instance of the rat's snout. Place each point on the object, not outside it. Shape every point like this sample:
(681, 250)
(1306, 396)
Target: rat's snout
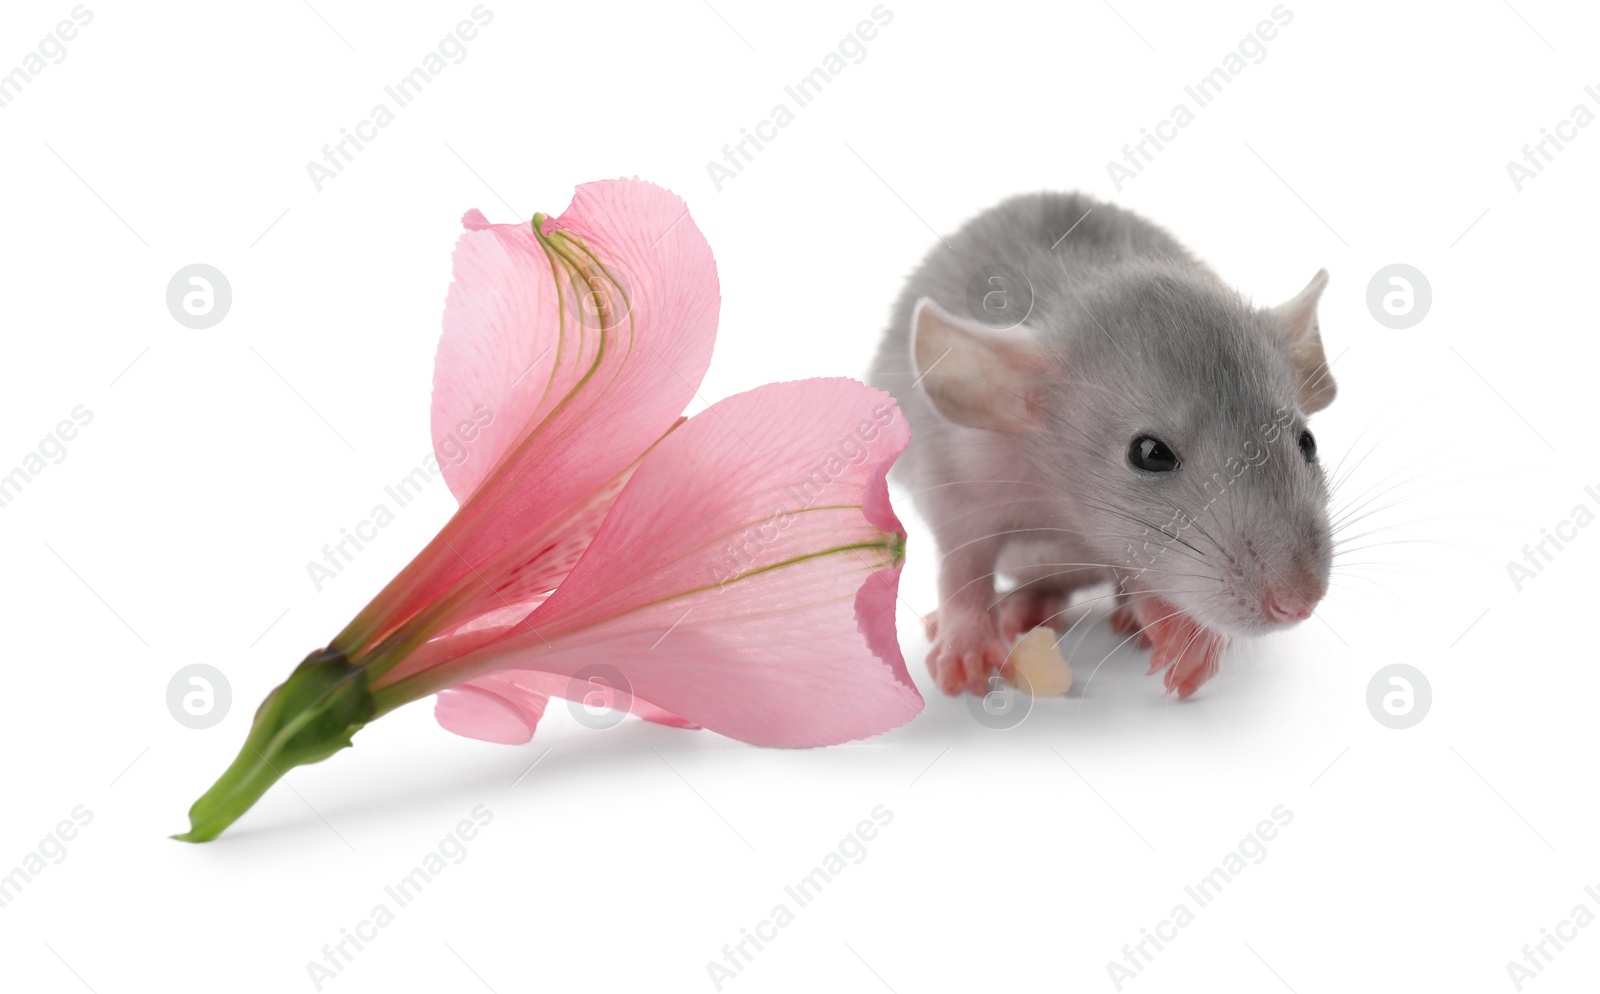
(1286, 605)
(1288, 601)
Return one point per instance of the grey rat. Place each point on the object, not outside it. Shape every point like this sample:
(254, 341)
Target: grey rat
(1088, 404)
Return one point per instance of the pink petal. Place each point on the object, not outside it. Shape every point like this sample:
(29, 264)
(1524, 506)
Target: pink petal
(506, 707)
(540, 408)
(649, 712)
(738, 582)
(511, 352)
(875, 609)
(479, 711)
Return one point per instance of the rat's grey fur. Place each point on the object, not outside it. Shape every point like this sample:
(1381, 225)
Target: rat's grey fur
(1135, 337)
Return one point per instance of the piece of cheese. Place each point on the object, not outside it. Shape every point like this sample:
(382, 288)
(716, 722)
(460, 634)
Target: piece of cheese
(1037, 666)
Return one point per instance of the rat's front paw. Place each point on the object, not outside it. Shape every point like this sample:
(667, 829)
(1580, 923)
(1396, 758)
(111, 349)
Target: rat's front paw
(1190, 663)
(966, 651)
(1190, 653)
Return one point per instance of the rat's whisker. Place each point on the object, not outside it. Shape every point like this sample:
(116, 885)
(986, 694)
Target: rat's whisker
(981, 508)
(968, 483)
(1348, 569)
(992, 574)
(1355, 590)
(1337, 480)
(1362, 500)
(1130, 638)
(1047, 576)
(1395, 424)
(1350, 522)
(1408, 523)
(1413, 541)
(1002, 533)
(1349, 507)
(1350, 517)
(1413, 496)
(1075, 604)
(1135, 519)
(1142, 629)
(1195, 521)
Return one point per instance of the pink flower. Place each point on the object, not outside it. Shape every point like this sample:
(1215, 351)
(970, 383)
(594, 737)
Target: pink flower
(736, 570)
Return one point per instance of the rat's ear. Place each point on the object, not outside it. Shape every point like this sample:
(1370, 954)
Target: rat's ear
(1302, 336)
(975, 375)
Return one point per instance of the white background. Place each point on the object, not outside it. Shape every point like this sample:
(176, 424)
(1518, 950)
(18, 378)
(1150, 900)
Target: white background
(218, 463)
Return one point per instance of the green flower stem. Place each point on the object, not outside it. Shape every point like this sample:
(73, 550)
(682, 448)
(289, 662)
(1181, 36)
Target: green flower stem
(308, 718)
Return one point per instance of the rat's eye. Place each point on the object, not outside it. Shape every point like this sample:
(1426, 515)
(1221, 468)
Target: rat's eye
(1308, 446)
(1152, 455)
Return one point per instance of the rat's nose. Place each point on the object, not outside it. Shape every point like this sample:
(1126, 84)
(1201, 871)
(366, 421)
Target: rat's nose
(1287, 605)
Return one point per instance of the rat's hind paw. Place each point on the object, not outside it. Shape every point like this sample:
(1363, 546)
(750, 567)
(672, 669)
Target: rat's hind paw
(967, 649)
(1027, 608)
(1125, 621)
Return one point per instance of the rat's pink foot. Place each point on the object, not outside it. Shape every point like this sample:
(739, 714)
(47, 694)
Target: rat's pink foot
(1125, 621)
(967, 649)
(1190, 653)
(1026, 608)
(1195, 662)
